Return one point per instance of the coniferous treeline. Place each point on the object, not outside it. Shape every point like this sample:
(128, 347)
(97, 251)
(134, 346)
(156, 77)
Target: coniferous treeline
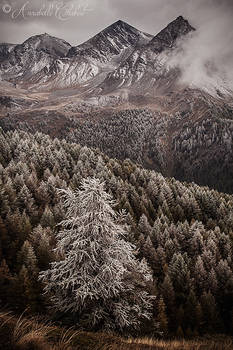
(184, 231)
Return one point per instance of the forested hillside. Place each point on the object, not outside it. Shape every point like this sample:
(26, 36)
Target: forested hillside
(182, 230)
(196, 147)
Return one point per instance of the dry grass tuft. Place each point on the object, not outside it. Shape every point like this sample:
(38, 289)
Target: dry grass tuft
(66, 339)
(29, 333)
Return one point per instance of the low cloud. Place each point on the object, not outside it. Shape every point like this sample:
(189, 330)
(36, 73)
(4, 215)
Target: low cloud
(206, 56)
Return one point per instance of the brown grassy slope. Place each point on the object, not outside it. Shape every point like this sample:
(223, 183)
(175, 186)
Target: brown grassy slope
(24, 333)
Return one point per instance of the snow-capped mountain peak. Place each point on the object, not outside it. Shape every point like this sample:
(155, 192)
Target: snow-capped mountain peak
(111, 42)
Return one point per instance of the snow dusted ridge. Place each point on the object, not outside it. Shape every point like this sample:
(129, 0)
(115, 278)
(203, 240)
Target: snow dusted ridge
(146, 68)
(45, 62)
(111, 42)
(118, 58)
(98, 56)
(23, 61)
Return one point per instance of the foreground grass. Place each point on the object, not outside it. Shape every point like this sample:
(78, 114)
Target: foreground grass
(24, 333)
(215, 343)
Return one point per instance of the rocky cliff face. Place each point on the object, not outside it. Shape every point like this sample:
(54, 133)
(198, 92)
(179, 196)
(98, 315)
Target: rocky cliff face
(168, 36)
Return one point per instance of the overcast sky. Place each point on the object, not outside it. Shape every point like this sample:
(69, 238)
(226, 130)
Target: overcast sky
(77, 20)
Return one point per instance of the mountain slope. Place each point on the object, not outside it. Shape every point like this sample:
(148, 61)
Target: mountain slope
(124, 57)
(96, 57)
(46, 63)
(146, 69)
(5, 50)
(168, 36)
(26, 59)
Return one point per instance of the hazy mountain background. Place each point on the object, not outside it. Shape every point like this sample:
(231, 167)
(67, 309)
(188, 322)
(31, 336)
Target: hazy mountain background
(132, 89)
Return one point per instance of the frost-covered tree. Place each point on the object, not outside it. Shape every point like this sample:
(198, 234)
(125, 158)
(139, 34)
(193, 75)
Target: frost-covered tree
(98, 278)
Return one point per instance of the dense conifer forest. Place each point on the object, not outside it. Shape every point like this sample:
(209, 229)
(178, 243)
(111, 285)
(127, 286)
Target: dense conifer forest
(190, 148)
(183, 232)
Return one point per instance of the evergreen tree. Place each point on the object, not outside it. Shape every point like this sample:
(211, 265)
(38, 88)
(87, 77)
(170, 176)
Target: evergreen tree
(27, 257)
(180, 275)
(210, 316)
(168, 294)
(41, 239)
(200, 275)
(190, 310)
(199, 317)
(47, 219)
(5, 282)
(98, 277)
(162, 317)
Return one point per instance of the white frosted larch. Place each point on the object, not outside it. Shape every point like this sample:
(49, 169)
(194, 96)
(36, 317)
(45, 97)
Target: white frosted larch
(98, 277)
